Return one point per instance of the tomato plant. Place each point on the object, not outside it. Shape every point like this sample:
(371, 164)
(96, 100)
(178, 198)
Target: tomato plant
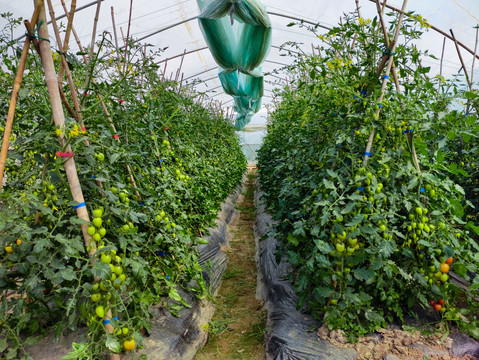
(368, 239)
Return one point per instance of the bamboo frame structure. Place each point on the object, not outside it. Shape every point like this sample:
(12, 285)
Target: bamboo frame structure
(385, 80)
(105, 109)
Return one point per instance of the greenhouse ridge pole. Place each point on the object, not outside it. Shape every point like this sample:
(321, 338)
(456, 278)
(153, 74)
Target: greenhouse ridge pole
(16, 88)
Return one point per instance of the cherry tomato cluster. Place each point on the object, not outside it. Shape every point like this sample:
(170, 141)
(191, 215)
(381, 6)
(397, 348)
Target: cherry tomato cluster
(438, 305)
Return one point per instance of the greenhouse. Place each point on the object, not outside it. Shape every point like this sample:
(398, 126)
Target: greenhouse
(239, 179)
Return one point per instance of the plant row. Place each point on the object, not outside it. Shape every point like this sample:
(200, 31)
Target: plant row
(152, 188)
(373, 235)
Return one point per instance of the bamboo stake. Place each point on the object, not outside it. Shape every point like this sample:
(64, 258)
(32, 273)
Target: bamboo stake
(114, 33)
(460, 58)
(92, 47)
(14, 98)
(64, 64)
(164, 71)
(440, 67)
(468, 107)
(59, 120)
(475, 54)
(181, 65)
(385, 80)
(66, 41)
(128, 34)
(388, 44)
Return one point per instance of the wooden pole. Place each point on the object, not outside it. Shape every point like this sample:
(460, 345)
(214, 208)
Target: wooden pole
(14, 98)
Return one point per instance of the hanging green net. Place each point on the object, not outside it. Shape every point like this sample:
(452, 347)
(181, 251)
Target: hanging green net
(240, 84)
(238, 34)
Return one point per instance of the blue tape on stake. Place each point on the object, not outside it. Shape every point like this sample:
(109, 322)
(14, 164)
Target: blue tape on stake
(80, 205)
(142, 204)
(168, 277)
(422, 190)
(386, 77)
(380, 105)
(106, 322)
(116, 318)
(361, 188)
(367, 153)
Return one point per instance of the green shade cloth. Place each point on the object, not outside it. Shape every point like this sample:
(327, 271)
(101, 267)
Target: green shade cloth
(239, 84)
(239, 46)
(238, 34)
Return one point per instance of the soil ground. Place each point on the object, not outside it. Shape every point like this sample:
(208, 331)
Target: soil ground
(238, 326)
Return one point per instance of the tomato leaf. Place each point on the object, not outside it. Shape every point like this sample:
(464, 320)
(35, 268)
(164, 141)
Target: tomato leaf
(373, 316)
(112, 344)
(101, 270)
(364, 275)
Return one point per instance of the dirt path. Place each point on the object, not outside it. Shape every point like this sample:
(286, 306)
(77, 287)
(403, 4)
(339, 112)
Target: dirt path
(238, 326)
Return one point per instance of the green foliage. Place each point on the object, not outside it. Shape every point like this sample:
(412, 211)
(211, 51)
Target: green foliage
(185, 159)
(366, 238)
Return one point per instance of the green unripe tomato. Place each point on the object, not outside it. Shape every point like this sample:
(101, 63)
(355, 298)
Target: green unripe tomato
(98, 213)
(97, 222)
(95, 297)
(91, 230)
(100, 311)
(340, 248)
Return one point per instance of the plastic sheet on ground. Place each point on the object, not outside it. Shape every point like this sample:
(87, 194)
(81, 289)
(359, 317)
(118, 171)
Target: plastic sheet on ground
(291, 334)
(171, 338)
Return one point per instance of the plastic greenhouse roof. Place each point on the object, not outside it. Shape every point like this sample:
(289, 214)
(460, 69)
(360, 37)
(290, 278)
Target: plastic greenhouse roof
(173, 24)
